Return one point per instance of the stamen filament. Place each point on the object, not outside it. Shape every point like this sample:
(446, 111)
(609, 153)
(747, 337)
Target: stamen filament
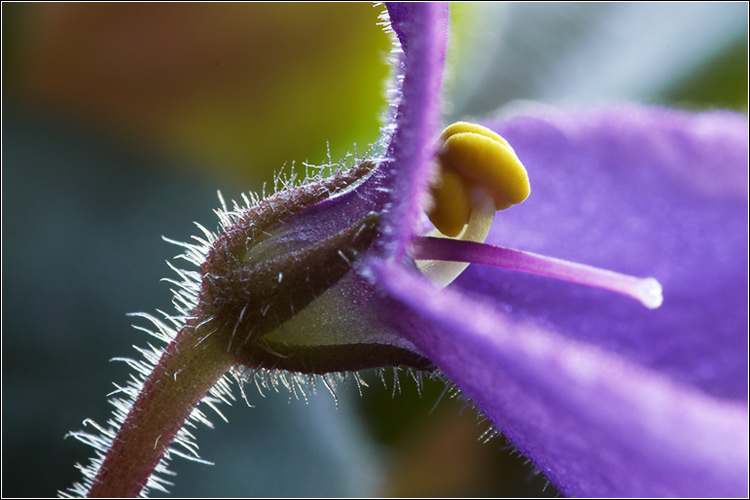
(646, 290)
(443, 273)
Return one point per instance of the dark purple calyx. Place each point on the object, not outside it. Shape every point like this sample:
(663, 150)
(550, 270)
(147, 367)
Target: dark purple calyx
(253, 282)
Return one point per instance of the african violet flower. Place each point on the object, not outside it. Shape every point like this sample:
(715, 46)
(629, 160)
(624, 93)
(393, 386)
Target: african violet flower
(605, 396)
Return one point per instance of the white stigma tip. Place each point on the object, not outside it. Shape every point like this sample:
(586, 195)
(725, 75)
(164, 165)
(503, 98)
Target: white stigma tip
(650, 293)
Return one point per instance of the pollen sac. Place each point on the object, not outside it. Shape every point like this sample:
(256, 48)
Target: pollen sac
(474, 161)
(452, 202)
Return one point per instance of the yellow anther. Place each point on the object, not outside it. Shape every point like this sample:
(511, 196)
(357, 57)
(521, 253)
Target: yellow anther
(453, 199)
(464, 127)
(472, 157)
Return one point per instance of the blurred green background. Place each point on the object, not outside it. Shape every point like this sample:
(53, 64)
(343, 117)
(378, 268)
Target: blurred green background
(120, 122)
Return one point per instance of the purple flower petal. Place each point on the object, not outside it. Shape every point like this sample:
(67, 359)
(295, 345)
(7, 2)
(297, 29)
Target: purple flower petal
(595, 423)
(422, 29)
(605, 396)
(647, 192)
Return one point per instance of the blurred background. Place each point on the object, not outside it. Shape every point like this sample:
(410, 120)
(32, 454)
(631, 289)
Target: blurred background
(120, 123)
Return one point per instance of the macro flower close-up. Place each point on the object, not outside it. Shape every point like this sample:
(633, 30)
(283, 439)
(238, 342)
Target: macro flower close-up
(579, 274)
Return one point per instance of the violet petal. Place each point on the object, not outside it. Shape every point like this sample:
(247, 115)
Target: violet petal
(596, 424)
(605, 396)
(642, 191)
(423, 30)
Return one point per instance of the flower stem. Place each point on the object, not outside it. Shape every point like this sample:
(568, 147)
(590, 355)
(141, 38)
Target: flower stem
(185, 373)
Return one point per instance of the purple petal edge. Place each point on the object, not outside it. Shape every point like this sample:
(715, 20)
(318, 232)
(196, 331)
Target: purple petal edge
(594, 423)
(422, 29)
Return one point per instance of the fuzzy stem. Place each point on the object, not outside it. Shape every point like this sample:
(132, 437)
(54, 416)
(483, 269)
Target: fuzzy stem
(186, 372)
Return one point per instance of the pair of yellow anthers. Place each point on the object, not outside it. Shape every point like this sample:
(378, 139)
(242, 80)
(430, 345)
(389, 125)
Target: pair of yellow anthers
(473, 163)
(477, 174)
